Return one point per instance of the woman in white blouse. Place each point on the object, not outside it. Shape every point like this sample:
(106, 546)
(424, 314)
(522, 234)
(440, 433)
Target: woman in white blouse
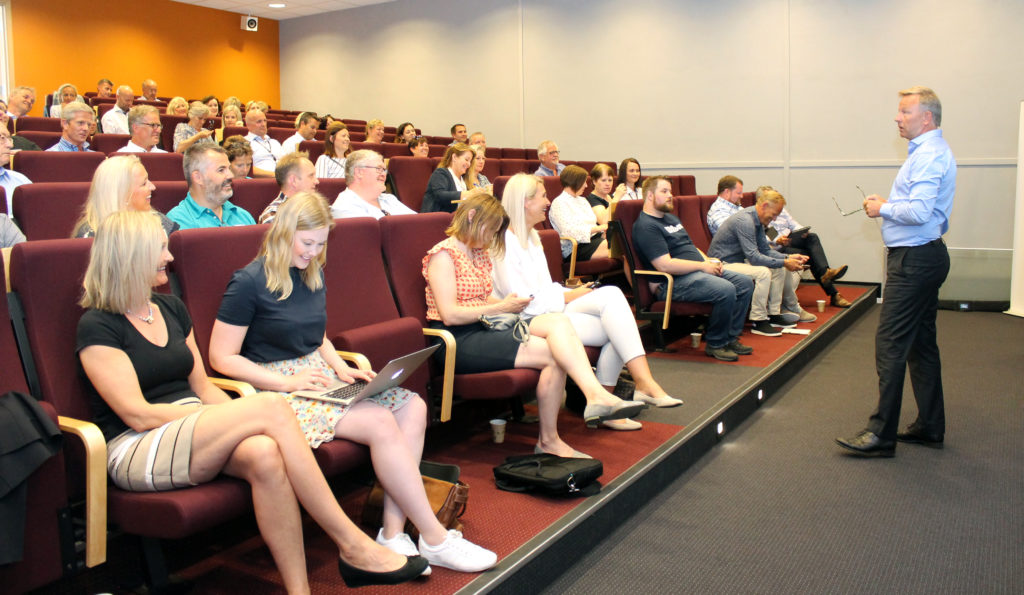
(337, 146)
(572, 217)
(629, 179)
(601, 317)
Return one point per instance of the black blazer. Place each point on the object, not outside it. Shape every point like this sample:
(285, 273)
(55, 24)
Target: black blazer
(440, 192)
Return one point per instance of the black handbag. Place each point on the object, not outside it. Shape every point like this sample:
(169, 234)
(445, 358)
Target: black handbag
(549, 475)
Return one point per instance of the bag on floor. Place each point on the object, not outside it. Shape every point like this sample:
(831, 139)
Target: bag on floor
(549, 475)
(445, 492)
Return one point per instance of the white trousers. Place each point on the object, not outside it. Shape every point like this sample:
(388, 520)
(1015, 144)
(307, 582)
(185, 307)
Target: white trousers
(602, 318)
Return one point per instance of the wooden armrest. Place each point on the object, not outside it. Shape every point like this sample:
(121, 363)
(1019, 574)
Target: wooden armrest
(668, 292)
(448, 386)
(95, 487)
(572, 256)
(236, 386)
(361, 361)
(6, 253)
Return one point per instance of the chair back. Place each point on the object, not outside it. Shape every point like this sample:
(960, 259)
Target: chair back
(49, 210)
(167, 133)
(44, 138)
(168, 194)
(405, 240)
(315, 148)
(331, 188)
(25, 123)
(163, 167)
(552, 253)
(511, 166)
(411, 175)
(110, 143)
(57, 166)
(625, 216)
(254, 194)
(695, 220)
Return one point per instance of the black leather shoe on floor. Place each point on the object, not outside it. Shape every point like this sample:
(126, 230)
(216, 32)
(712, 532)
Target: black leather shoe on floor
(868, 444)
(915, 435)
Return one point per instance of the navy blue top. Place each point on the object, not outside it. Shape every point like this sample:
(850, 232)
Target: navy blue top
(655, 237)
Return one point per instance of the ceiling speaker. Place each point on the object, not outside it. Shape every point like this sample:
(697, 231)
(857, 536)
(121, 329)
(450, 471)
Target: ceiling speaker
(250, 23)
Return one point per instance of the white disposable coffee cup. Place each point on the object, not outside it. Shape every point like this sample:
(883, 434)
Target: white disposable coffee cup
(498, 430)
(695, 340)
(821, 305)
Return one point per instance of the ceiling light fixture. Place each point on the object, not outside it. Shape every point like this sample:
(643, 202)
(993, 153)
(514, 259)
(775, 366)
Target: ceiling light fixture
(276, 5)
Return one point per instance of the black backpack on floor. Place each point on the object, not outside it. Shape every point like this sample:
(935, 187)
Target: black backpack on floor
(550, 475)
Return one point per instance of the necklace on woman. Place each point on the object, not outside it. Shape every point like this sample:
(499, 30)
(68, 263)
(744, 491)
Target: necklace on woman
(147, 319)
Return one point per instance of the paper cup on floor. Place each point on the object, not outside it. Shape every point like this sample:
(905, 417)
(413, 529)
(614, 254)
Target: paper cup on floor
(498, 430)
(821, 305)
(695, 340)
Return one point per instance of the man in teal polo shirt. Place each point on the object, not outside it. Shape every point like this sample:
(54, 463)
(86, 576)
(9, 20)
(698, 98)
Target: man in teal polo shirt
(209, 187)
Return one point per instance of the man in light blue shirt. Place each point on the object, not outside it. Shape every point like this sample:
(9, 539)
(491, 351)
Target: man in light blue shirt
(9, 179)
(914, 218)
(547, 152)
(209, 188)
(76, 120)
(730, 190)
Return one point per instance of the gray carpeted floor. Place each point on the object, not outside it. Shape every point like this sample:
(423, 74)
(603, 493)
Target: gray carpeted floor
(777, 508)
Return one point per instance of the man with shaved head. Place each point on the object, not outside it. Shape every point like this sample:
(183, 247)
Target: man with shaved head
(149, 90)
(265, 150)
(115, 121)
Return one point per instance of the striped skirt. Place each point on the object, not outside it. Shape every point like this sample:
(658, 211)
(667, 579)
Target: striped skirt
(155, 460)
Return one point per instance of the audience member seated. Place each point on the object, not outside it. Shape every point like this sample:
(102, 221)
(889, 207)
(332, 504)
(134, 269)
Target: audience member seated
(448, 182)
(145, 126)
(20, 143)
(572, 217)
(295, 173)
(119, 184)
(547, 152)
(150, 390)
(177, 106)
(271, 332)
(375, 131)
(115, 121)
(194, 131)
(105, 88)
(232, 100)
(76, 120)
(337, 147)
(459, 292)
(231, 116)
(65, 94)
(364, 194)
(20, 101)
(328, 120)
(458, 134)
(475, 176)
(477, 139)
(601, 317)
(208, 174)
(211, 102)
(265, 150)
(629, 179)
(418, 147)
(405, 132)
(10, 234)
(809, 245)
(741, 244)
(149, 90)
(305, 129)
(9, 179)
(730, 191)
(602, 200)
(662, 244)
(239, 156)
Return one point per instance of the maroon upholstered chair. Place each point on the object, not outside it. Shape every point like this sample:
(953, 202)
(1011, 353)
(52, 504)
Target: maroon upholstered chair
(331, 188)
(280, 134)
(747, 199)
(492, 152)
(230, 131)
(315, 148)
(695, 220)
(411, 175)
(46, 280)
(167, 133)
(164, 167)
(511, 166)
(110, 143)
(436, 150)
(25, 123)
(683, 185)
(706, 200)
(531, 154)
(48, 210)
(492, 168)
(356, 135)
(55, 166)
(513, 153)
(45, 139)
(646, 304)
(405, 240)
(168, 194)
(254, 195)
(201, 284)
(46, 494)
(499, 185)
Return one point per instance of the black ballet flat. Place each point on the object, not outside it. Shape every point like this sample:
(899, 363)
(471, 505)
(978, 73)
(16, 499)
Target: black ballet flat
(357, 577)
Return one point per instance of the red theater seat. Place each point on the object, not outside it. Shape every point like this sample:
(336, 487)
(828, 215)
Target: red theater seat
(163, 167)
(43, 138)
(411, 175)
(55, 166)
(49, 210)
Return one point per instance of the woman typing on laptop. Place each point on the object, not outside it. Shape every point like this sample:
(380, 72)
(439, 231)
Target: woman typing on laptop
(270, 332)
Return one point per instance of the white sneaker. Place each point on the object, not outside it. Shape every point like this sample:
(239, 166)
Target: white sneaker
(401, 544)
(458, 553)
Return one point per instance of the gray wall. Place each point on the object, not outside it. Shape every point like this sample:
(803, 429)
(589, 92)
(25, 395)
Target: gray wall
(799, 94)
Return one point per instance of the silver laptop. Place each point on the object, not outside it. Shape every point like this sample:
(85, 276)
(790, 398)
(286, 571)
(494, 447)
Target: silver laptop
(391, 376)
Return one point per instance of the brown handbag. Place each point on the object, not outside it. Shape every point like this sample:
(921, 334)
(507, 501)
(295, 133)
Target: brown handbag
(447, 500)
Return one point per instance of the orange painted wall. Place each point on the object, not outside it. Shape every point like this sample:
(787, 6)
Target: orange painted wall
(188, 50)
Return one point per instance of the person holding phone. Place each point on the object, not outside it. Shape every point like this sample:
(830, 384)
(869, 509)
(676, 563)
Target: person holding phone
(192, 132)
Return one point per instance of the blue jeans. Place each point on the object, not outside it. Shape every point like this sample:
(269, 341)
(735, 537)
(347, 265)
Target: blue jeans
(729, 296)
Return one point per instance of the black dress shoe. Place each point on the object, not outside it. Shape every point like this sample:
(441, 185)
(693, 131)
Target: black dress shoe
(915, 435)
(357, 577)
(868, 444)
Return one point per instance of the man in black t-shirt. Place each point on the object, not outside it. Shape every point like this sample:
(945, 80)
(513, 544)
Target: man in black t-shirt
(663, 244)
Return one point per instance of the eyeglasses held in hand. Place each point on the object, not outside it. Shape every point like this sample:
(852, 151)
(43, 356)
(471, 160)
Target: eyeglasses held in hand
(848, 213)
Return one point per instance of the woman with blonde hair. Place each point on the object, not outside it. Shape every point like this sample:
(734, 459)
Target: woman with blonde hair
(448, 182)
(177, 106)
(459, 292)
(337, 147)
(120, 183)
(475, 177)
(155, 405)
(192, 132)
(271, 332)
(601, 317)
